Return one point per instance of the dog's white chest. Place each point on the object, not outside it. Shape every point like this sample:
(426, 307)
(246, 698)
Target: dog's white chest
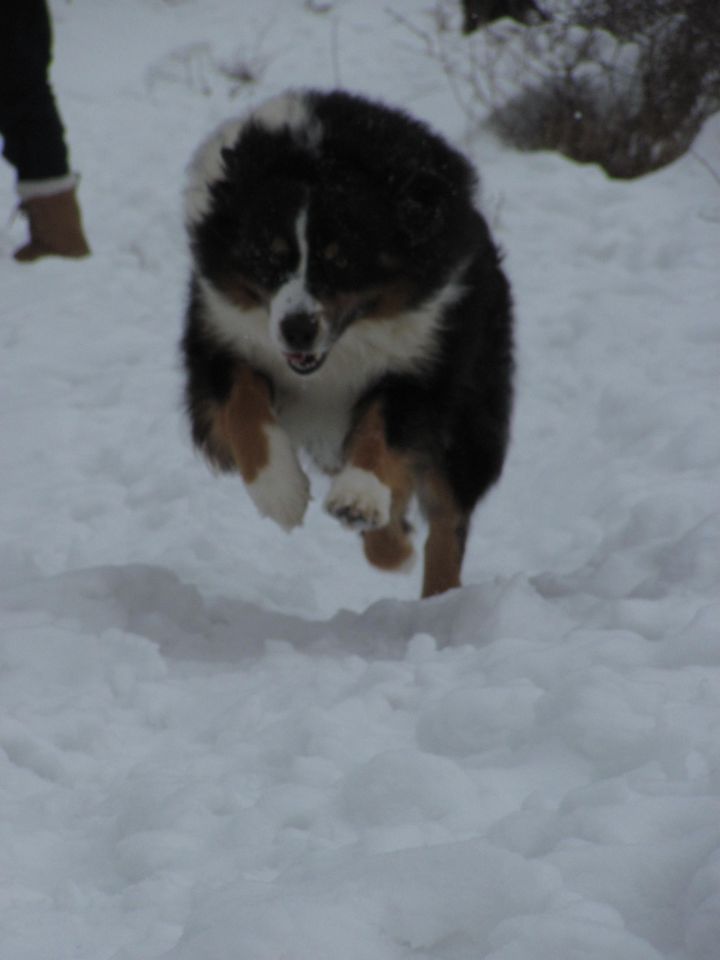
(317, 423)
(316, 411)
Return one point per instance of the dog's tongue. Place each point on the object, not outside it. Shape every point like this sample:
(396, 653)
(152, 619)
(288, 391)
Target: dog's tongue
(302, 359)
(304, 362)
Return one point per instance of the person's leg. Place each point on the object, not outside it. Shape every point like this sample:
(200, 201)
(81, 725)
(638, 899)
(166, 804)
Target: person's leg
(32, 131)
(33, 134)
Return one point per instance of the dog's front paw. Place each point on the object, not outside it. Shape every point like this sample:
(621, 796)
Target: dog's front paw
(359, 500)
(281, 491)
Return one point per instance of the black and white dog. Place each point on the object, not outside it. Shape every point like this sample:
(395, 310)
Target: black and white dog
(347, 299)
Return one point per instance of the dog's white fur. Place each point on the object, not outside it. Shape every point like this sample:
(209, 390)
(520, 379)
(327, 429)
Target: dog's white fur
(358, 499)
(293, 296)
(206, 166)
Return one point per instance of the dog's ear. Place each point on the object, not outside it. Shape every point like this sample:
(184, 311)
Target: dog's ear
(422, 205)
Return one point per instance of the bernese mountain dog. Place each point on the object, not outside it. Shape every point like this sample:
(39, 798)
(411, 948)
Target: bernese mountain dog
(347, 300)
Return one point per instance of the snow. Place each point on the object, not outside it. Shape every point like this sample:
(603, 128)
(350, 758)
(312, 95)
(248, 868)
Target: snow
(218, 740)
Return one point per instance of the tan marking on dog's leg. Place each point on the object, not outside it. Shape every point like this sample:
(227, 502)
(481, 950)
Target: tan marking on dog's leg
(369, 450)
(242, 423)
(390, 547)
(245, 434)
(442, 558)
(445, 544)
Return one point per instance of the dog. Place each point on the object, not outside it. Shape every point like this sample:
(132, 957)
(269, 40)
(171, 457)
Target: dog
(346, 299)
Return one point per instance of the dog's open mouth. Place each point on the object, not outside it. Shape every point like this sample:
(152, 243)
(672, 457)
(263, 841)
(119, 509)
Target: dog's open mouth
(304, 363)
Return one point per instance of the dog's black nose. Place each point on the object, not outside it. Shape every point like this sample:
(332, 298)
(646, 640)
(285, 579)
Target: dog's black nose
(299, 331)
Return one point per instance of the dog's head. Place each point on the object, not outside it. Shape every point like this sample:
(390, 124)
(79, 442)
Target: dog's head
(297, 211)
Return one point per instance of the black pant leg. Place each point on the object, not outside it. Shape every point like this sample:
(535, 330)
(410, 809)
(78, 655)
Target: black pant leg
(30, 123)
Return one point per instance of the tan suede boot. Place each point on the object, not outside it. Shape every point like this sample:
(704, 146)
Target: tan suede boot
(55, 227)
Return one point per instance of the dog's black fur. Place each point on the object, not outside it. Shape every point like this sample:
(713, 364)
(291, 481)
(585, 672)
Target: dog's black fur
(339, 255)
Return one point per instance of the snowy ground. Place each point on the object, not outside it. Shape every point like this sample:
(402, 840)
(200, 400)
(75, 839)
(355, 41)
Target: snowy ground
(221, 743)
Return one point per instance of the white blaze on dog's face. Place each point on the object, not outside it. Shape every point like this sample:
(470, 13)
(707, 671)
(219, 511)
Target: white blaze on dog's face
(298, 324)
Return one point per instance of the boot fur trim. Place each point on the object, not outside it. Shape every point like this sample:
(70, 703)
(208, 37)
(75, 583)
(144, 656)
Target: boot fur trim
(29, 189)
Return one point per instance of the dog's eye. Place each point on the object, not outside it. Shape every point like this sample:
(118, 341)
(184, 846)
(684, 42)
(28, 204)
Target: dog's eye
(279, 247)
(333, 255)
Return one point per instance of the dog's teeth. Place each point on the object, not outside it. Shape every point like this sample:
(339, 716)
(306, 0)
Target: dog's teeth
(304, 362)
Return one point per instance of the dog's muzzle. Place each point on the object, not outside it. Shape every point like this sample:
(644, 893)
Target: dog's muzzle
(300, 336)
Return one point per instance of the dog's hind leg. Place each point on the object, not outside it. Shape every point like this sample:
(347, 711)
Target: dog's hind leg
(445, 544)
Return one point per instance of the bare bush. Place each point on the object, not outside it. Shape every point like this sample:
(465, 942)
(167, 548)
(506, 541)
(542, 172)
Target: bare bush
(199, 70)
(479, 13)
(626, 84)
